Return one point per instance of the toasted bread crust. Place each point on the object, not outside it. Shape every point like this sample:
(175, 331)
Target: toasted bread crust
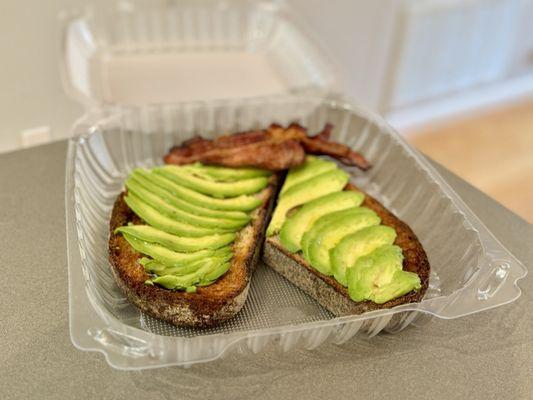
(209, 305)
(331, 294)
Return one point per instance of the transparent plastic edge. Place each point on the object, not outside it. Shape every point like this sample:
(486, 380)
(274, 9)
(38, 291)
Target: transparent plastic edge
(84, 342)
(66, 19)
(84, 315)
(281, 9)
(78, 339)
(93, 319)
(516, 269)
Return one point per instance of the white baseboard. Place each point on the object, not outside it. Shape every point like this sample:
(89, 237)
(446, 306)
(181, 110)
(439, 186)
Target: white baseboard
(459, 104)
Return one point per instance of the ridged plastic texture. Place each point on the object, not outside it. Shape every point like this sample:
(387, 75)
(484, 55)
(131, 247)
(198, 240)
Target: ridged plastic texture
(138, 31)
(470, 270)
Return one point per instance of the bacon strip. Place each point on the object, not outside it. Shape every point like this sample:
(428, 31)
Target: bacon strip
(275, 148)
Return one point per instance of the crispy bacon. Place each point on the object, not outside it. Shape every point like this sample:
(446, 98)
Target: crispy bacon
(275, 148)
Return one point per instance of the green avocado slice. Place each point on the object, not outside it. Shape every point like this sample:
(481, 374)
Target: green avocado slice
(174, 282)
(327, 237)
(215, 273)
(222, 174)
(322, 223)
(378, 276)
(295, 226)
(212, 188)
(241, 203)
(152, 266)
(356, 245)
(188, 236)
(173, 212)
(164, 223)
(301, 193)
(177, 243)
(373, 271)
(166, 256)
(312, 166)
(205, 275)
(155, 267)
(169, 197)
(402, 282)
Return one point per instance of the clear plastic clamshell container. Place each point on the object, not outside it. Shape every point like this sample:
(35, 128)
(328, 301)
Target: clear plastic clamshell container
(197, 50)
(470, 270)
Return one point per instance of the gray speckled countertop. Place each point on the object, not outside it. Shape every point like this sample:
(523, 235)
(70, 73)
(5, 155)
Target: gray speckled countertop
(484, 356)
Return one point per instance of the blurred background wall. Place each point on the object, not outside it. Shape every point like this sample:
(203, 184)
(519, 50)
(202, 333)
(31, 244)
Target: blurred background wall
(454, 76)
(31, 95)
(415, 60)
(422, 60)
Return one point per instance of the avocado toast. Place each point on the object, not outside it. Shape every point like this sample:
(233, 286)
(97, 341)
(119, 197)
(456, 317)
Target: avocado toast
(184, 251)
(185, 238)
(341, 246)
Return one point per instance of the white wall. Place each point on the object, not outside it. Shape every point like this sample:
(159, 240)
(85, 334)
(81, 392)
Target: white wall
(367, 38)
(31, 94)
(357, 34)
(522, 52)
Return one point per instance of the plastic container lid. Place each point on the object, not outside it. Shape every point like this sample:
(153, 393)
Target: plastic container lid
(145, 54)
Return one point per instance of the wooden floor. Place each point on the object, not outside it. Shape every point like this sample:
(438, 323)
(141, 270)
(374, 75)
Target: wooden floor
(493, 151)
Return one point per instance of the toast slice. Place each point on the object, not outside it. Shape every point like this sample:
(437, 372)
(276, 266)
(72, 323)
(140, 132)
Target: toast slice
(221, 300)
(209, 305)
(331, 294)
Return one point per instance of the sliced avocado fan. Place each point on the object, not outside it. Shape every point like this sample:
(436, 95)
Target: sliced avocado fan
(305, 191)
(191, 216)
(337, 235)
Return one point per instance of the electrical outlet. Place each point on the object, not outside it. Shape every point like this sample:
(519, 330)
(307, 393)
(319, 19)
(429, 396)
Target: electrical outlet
(35, 136)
